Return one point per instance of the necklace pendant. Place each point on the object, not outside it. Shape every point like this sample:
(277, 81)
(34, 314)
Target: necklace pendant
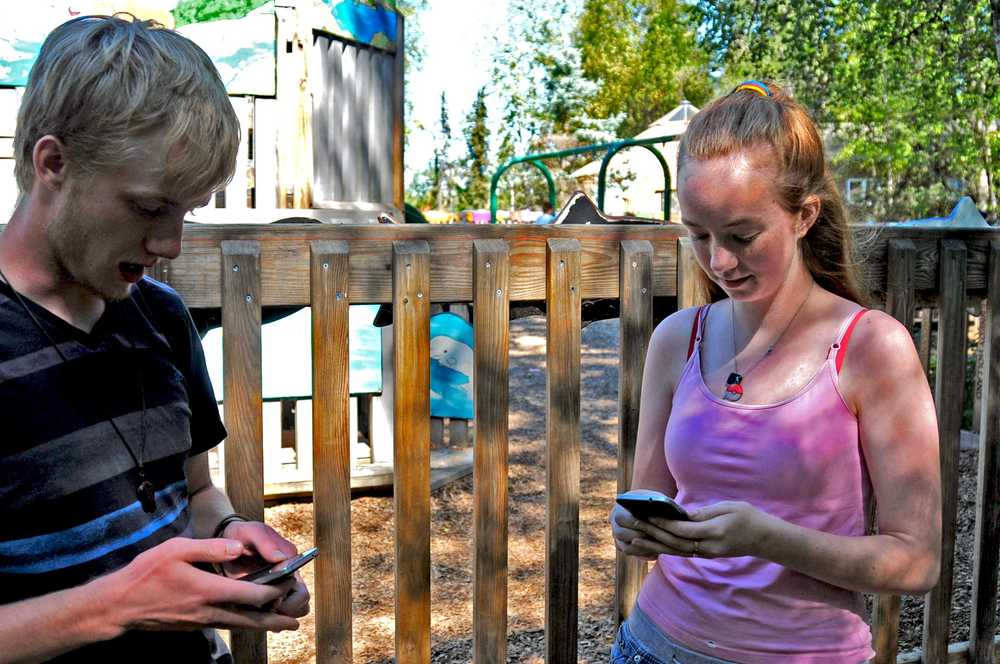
(734, 391)
(147, 496)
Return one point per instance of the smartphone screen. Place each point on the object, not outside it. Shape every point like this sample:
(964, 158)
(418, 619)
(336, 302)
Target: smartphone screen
(646, 505)
(281, 571)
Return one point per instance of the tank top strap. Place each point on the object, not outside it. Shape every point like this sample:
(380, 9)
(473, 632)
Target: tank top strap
(839, 347)
(696, 328)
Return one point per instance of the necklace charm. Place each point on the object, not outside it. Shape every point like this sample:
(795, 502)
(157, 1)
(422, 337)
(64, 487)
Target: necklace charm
(147, 496)
(734, 391)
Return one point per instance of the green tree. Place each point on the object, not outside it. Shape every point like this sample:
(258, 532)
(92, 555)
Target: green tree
(542, 96)
(907, 91)
(644, 57)
(200, 11)
(475, 192)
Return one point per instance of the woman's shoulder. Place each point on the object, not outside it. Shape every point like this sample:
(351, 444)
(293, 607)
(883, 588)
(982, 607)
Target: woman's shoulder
(678, 326)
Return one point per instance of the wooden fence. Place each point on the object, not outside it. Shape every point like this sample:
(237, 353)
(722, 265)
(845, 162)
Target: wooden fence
(241, 268)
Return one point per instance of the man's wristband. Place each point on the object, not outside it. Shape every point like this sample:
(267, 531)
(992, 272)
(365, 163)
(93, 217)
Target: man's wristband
(226, 520)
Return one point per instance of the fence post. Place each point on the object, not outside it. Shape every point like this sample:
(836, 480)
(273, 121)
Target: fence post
(243, 389)
(688, 290)
(983, 622)
(899, 303)
(412, 449)
(491, 284)
(328, 292)
(636, 298)
(562, 468)
(948, 388)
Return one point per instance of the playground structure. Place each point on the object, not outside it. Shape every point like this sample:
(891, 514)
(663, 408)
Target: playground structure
(912, 271)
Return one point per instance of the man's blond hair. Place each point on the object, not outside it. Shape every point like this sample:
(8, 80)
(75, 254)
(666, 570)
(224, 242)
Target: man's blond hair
(102, 84)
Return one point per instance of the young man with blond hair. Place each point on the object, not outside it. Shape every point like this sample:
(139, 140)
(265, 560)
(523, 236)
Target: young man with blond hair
(111, 520)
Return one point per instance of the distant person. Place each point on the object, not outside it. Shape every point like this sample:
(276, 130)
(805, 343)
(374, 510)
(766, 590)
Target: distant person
(775, 415)
(111, 520)
(547, 216)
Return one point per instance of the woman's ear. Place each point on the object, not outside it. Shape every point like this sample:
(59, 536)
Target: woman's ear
(808, 214)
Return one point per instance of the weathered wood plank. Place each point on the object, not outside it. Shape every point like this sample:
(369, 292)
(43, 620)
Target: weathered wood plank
(949, 383)
(491, 277)
(688, 288)
(458, 431)
(924, 347)
(562, 468)
(398, 188)
(983, 622)
(331, 448)
(244, 403)
(636, 323)
(238, 188)
(899, 304)
(285, 259)
(411, 480)
(437, 431)
(265, 153)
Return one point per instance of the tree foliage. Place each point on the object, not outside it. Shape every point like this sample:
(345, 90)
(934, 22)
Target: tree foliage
(644, 57)
(474, 193)
(907, 91)
(199, 11)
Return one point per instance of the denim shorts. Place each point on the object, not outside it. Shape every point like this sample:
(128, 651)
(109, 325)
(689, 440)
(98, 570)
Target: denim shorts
(641, 641)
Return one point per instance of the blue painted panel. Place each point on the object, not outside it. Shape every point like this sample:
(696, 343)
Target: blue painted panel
(286, 348)
(451, 367)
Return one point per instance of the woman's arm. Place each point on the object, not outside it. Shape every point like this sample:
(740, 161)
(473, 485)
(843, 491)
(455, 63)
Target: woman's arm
(665, 360)
(883, 380)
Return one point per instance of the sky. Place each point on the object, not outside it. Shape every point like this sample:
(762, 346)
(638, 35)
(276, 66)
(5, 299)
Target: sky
(458, 38)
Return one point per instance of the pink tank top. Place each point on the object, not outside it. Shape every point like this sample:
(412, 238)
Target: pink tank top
(800, 460)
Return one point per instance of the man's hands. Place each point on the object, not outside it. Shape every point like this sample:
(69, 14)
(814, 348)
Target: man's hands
(262, 546)
(163, 590)
(725, 529)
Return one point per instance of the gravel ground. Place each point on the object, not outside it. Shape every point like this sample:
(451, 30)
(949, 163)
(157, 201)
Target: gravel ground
(451, 554)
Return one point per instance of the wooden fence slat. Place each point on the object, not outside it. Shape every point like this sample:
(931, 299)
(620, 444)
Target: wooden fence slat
(688, 291)
(983, 622)
(331, 451)
(924, 347)
(411, 479)
(562, 468)
(491, 276)
(948, 388)
(900, 298)
(636, 322)
(458, 431)
(398, 189)
(244, 403)
(265, 153)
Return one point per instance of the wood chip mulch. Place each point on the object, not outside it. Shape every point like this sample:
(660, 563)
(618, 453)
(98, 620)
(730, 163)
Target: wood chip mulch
(451, 546)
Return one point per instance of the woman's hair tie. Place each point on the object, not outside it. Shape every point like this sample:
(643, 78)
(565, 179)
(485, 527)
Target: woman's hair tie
(754, 86)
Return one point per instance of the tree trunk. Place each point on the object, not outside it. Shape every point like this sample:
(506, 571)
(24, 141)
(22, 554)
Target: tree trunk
(995, 10)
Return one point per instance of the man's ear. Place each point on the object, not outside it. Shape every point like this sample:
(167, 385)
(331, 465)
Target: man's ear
(808, 214)
(49, 161)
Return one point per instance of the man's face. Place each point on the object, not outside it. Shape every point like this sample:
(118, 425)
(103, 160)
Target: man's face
(107, 227)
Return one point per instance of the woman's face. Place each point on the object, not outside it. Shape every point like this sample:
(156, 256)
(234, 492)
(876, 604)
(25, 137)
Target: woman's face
(743, 238)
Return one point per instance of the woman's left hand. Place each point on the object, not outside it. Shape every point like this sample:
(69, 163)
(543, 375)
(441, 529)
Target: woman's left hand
(721, 530)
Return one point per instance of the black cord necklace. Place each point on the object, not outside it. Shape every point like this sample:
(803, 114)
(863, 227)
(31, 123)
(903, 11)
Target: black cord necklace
(145, 491)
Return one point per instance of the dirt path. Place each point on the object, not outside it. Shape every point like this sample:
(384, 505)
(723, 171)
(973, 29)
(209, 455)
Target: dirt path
(451, 553)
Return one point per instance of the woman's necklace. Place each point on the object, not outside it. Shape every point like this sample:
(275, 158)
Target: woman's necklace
(734, 386)
(144, 490)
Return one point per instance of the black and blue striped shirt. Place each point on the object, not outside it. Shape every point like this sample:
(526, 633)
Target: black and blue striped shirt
(67, 481)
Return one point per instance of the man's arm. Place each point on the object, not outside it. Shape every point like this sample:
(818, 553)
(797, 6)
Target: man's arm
(262, 545)
(208, 504)
(160, 589)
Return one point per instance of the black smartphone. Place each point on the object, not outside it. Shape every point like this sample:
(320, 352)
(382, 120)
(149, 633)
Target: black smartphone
(644, 505)
(281, 571)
